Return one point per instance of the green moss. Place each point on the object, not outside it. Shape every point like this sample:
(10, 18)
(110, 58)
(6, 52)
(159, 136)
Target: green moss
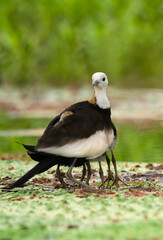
(59, 214)
(145, 230)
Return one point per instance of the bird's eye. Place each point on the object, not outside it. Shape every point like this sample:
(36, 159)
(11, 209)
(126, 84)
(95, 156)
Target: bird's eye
(103, 79)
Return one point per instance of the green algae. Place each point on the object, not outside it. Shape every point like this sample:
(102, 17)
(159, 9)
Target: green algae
(33, 213)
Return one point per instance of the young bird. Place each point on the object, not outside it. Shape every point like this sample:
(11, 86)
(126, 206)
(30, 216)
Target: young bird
(81, 133)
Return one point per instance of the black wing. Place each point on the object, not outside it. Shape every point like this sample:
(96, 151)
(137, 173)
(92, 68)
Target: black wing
(83, 121)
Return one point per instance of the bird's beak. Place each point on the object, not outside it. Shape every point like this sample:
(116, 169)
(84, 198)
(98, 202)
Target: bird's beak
(95, 83)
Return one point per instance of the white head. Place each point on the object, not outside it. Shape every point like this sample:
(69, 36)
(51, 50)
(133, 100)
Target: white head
(99, 80)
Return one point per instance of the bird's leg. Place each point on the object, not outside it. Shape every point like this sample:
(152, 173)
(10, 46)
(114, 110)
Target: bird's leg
(110, 174)
(115, 182)
(59, 176)
(88, 172)
(69, 175)
(101, 175)
(83, 173)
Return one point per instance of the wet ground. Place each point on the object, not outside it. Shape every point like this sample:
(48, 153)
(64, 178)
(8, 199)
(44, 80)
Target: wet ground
(142, 179)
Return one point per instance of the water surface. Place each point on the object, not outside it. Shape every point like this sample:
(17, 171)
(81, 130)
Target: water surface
(137, 141)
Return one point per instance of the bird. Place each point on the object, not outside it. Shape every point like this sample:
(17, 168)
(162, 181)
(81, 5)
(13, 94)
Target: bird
(82, 133)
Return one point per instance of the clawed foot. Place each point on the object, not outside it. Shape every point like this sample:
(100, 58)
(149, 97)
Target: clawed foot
(116, 182)
(108, 179)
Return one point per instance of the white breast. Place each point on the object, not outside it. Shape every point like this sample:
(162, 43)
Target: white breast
(91, 147)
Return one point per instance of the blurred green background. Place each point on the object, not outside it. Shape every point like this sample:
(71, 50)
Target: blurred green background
(57, 42)
(53, 43)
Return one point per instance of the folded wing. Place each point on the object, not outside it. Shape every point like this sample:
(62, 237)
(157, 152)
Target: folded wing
(79, 131)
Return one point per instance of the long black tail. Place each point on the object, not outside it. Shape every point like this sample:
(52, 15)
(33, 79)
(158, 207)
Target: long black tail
(46, 161)
(40, 167)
